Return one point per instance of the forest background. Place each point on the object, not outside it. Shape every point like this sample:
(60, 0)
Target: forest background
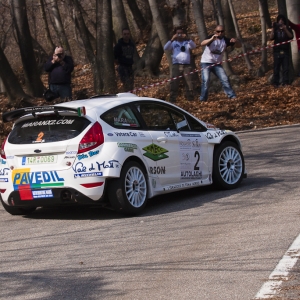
(88, 30)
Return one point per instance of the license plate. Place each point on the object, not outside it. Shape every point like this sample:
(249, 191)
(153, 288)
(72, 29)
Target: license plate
(37, 160)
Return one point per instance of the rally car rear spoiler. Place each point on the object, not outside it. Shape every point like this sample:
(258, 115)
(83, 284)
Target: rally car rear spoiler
(18, 113)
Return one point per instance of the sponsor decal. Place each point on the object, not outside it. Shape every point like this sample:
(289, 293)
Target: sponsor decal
(42, 194)
(10, 157)
(41, 179)
(92, 153)
(142, 134)
(157, 170)
(3, 179)
(82, 156)
(181, 185)
(155, 152)
(2, 161)
(191, 174)
(190, 135)
(93, 174)
(69, 157)
(153, 183)
(214, 135)
(48, 122)
(170, 133)
(125, 122)
(128, 147)
(81, 168)
(110, 134)
(129, 133)
(4, 171)
(71, 152)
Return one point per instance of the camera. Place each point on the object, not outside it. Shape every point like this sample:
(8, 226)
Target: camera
(182, 48)
(179, 34)
(277, 26)
(59, 55)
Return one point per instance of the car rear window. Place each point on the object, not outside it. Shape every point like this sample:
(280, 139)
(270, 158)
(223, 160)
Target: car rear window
(47, 129)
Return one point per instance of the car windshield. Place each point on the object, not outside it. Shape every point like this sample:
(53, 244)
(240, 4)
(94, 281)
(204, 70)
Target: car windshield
(47, 129)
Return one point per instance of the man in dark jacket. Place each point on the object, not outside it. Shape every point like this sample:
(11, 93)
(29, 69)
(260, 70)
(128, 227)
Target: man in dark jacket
(281, 53)
(123, 53)
(60, 67)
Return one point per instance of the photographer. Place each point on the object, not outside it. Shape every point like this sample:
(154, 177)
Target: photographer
(60, 67)
(281, 54)
(211, 60)
(181, 47)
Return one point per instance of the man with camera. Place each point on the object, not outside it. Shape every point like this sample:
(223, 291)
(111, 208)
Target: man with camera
(215, 46)
(181, 47)
(281, 33)
(60, 67)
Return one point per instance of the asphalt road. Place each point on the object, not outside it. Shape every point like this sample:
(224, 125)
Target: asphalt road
(195, 244)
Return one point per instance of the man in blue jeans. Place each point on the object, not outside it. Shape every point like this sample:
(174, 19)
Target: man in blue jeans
(211, 59)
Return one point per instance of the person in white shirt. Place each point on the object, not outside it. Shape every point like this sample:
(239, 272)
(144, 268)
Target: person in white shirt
(211, 59)
(181, 47)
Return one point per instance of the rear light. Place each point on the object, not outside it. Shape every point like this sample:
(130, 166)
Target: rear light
(92, 139)
(2, 191)
(2, 149)
(91, 185)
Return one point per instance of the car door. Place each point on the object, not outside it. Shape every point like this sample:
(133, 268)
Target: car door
(164, 149)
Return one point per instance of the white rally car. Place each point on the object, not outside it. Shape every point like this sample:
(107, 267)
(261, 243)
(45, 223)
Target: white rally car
(117, 150)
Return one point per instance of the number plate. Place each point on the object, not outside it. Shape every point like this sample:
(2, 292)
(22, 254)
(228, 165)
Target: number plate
(37, 160)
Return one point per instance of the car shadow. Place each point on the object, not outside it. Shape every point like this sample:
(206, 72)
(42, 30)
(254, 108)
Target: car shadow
(159, 205)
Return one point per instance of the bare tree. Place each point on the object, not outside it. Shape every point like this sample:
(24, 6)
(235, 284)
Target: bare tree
(59, 26)
(293, 12)
(199, 18)
(264, 38)
(105, 45)
(118, 18)
(46, 27)
(11, 83)
(238, 34)
(33, 82)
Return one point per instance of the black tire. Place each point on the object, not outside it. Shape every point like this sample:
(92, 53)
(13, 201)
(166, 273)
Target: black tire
(228, 166)
(17, 211)
(128, 194)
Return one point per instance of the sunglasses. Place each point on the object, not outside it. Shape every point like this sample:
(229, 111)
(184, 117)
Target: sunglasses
(218, 31)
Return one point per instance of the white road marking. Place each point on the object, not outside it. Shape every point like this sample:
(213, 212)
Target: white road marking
(281, 272)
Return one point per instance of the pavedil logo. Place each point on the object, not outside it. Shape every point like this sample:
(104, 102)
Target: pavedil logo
(44, 179)
(155, 152)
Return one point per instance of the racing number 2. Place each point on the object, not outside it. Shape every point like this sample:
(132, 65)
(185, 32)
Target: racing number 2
(197, 154)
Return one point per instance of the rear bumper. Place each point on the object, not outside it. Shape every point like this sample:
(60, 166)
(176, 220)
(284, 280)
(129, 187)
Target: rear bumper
(42, 197)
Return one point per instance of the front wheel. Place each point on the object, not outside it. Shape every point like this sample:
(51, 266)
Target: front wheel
(15, 211)
(128, 194)
(228, 166)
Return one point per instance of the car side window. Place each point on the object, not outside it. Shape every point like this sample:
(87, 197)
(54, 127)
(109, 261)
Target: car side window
(180, 121)
(121, 117)
(156, 117)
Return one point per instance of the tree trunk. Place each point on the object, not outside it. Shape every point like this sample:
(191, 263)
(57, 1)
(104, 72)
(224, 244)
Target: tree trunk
(265, 11)
(105, 46)
(10, 81)
(149, 63)
(33, 82)
(160, 27)
(199, 18)
(179, 11)
(264, 58)
(228, 18)
(293, 7)
(49, 40)
(282, 7)
(238, 34)
(84, 34)
(119, 19)
(59, 26)
(219, 13)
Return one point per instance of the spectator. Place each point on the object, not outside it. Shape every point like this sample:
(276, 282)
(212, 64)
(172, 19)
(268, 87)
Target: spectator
(124, 53)
(296, 28)
(60, 67)
(181, 47)
(281, 54)
(211, 59)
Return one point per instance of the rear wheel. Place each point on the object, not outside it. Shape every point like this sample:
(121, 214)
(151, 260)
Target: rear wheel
(228, 168)
(13, 210)
(128, 194)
